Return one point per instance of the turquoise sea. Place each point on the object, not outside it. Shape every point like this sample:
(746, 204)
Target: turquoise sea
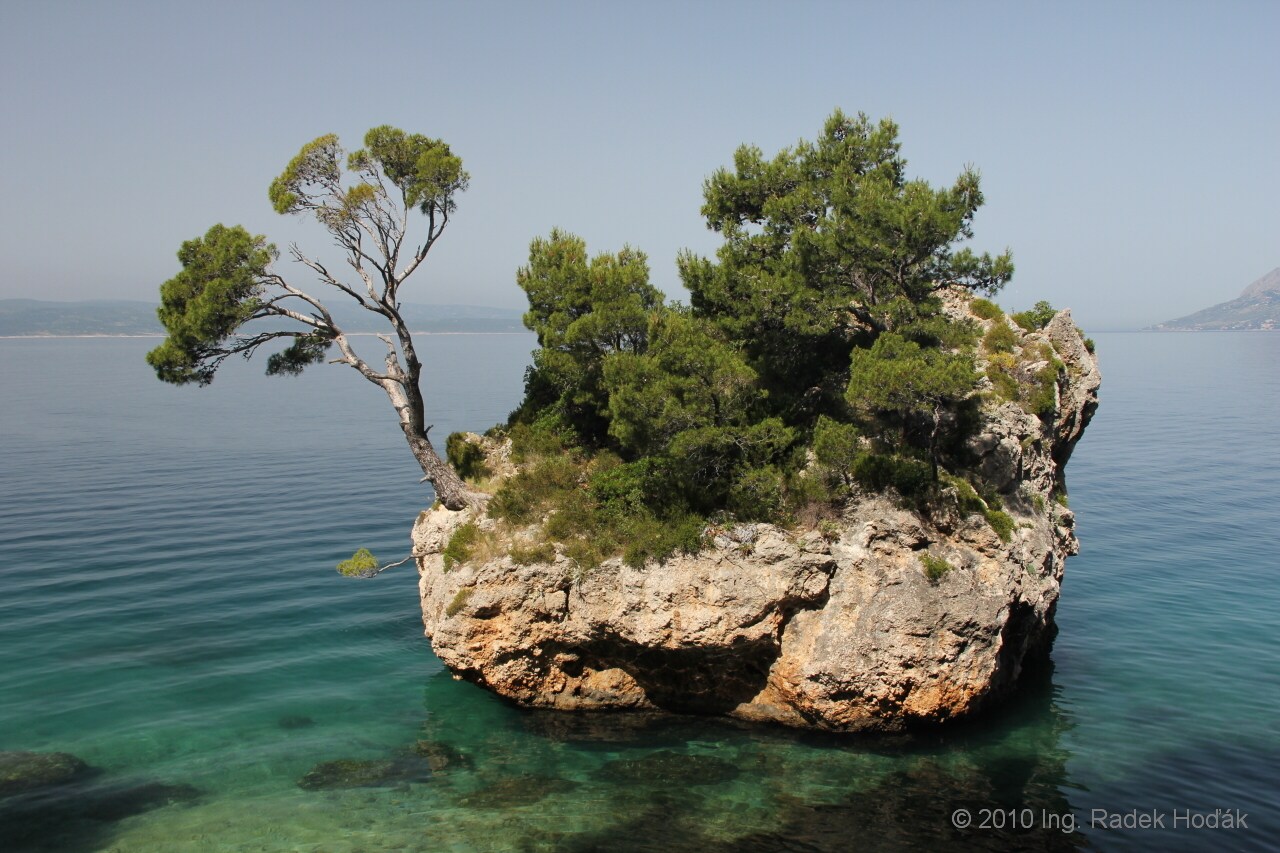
(170, 614)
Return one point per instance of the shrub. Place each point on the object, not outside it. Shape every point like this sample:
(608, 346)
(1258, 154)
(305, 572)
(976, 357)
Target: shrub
(1042, 396)
(649, 538)
(460, 545)
(1090, 345)
(465, 457)
(459, 601)
(934, 567)
(1061, 499)
(910, 477)
(528, 555)
(1036, 317)
(835, 445)
(756, 494)
(524, 498)
(1038, 502)
(1000, 338)
(359, 564)
(1001, 522)
(986, 309)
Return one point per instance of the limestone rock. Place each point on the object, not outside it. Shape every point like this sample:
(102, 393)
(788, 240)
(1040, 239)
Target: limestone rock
(843, 632)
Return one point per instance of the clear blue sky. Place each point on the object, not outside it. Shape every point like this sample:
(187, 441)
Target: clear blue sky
(1128, 150)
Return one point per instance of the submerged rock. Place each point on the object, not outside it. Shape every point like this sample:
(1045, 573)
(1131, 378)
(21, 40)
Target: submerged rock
(668, 768)
(885, 620)
(295, 721)
(512, 791)
(21, 772)
(365, 773)
(441, 757)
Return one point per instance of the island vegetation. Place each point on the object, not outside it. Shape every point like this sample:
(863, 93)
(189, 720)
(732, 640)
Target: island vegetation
(229, 286)
(814, 359)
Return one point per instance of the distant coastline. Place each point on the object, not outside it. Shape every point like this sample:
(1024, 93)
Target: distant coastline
(32, 318)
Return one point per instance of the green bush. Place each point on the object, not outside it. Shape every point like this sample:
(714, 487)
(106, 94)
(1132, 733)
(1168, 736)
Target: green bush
(1090, 346)
(986, 309)
(528, 555)
(1035, 318)
(836, 445)
(459, 601)
(460, 544)
(524, 498)
(465, 457)
(1001, 522)
(651, 539)
(756, 494)
(934, 567)
(1000, 338)
(878, 472)
(359, 564)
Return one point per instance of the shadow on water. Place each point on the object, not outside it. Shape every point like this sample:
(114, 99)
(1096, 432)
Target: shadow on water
(670, 783)
(80, 814)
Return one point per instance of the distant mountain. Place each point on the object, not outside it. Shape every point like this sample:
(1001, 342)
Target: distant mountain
(102, 317)
(1257, 308)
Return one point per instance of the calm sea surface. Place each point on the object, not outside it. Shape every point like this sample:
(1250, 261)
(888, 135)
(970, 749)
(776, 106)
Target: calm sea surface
(169, 612)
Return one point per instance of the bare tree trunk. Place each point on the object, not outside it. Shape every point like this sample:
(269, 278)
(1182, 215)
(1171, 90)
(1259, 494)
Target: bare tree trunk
(448, 486)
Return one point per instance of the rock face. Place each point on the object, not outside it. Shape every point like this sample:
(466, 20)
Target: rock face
(844, 631)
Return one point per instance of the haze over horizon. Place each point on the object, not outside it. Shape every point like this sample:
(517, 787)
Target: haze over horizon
(1126, 150)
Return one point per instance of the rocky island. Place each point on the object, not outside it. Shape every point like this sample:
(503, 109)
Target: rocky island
(878, 619)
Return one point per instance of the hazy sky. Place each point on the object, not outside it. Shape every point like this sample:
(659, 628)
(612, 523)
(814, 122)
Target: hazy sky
(1128, 150)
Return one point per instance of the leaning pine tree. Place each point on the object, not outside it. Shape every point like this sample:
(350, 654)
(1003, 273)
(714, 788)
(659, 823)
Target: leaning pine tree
(230, 300)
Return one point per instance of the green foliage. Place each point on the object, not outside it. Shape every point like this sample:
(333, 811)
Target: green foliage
(305, 351)
(1000, 338)
(1038, 502)
(897, 375)
(836, 446)
(688, 379)
(756, 494)
(1037, 317)
(460, 599)
(528, 555)
(467, 458)
(218, 289)
(986, 309)
(910, 478)
(582, 311)
(1043, 396)
(526, 497)
(425, 170)
(1000, 368)
(826, 242)
(1001, 522)
(815, 355)
(1090, 345)
(934, 567)
(360, 564)
(460, 545)
(1062, 499)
